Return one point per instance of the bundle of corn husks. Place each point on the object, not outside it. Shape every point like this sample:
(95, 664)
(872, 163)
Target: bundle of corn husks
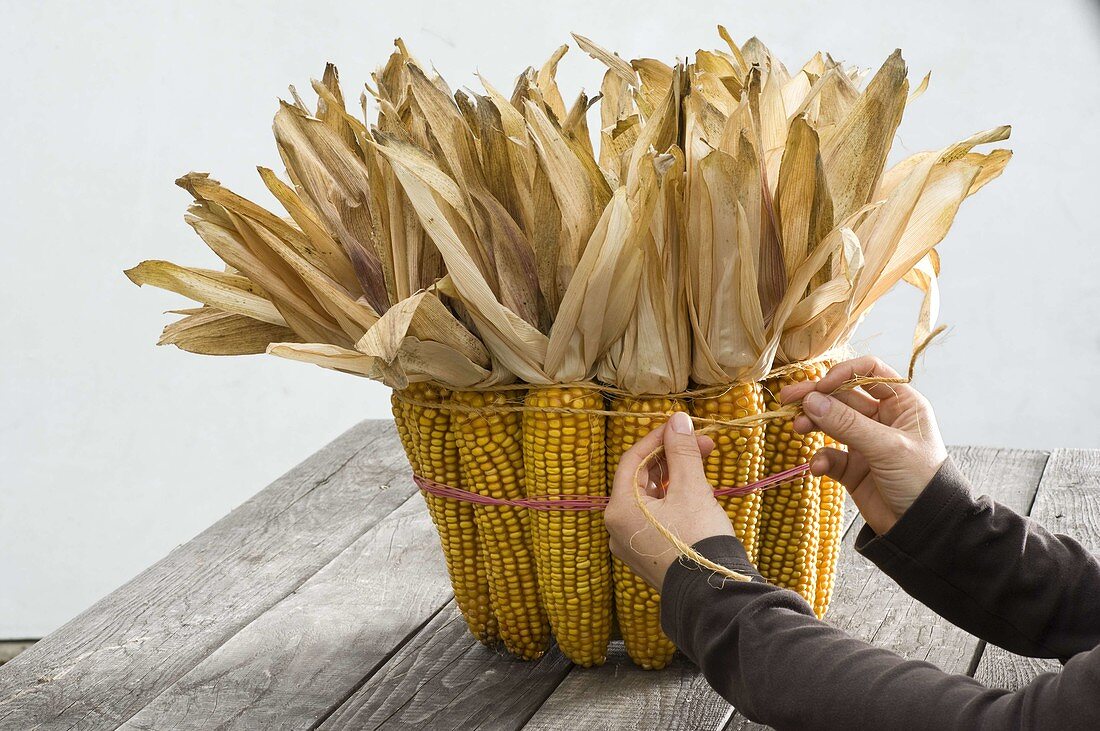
(538, 301)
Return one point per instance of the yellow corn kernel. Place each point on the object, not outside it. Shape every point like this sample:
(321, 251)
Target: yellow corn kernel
(637, 604)
(563, 454)
(831, 523)
(790, 513)
(490, 450)
(738, 456)
(430, 442)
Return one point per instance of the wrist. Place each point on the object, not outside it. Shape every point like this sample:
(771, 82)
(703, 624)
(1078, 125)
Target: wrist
(922, 478)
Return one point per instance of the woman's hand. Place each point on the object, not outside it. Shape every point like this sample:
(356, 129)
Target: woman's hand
(686, 507)
(894, 445)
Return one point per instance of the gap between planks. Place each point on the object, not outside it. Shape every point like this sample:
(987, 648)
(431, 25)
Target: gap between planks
(296, 661)
(150, 632)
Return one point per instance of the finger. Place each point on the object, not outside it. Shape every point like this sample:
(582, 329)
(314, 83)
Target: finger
(706, 445)
(848, 426)
(861, 401)
(796, 391)
(847, 468)
(658, 468)
(625, 480)
(655, 490)
(868, 365)
(823, 464)
(858, 400)
(802, 424)
(682, 453)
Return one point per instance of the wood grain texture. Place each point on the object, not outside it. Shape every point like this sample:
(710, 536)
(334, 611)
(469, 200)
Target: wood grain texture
(675, 698)
(868, 605)
(106, 664)
(322, 602)
(1068, 502)
(620, 695)
(444, 679)
(294, 662)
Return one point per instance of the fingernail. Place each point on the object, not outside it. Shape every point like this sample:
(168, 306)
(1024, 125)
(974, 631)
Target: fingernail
(816, 404)
(681, 423)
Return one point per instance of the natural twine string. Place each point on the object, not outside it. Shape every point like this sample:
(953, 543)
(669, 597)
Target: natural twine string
(519, 406)
(787, 411)
(784, 412)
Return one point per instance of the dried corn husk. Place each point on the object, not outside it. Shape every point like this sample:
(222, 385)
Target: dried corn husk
(742, 211)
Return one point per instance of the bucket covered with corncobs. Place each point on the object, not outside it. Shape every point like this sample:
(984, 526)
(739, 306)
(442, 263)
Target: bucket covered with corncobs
(543, 282)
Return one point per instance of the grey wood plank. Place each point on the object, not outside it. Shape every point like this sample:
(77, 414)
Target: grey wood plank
(675, 698)
(868, 605)
(1068, 502)
(444, 679)
(106, 664)
(297, 660)
(620, 695)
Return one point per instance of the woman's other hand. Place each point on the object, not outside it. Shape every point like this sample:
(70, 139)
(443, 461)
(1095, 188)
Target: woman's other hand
(894, 445)
(676, 491)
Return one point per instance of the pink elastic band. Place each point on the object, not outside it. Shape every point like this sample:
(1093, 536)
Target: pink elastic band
(588, 502)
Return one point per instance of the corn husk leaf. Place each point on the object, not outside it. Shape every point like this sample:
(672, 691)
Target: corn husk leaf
(330, 356)
(613, 62)
(589, 320)
(925, 276)
(513, 342)
(654, 354)
(322, 251)
(856, 153)
(212, 288)
(422, 315)
(803, 203)
(548, 84)
(918, 214)
(655, 77)
(579, 191)
(227, 223)
(820, 319)
(334, 180)
(210, 331)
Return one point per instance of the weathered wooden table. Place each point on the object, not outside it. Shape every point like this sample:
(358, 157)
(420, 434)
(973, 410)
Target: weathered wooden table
(322, 603)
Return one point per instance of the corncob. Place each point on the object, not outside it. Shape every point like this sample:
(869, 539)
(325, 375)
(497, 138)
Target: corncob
(738, 456)
(563, 454)
(790, 513)
(830, 523)
(490, 450)
(637, 604)
(430, 443)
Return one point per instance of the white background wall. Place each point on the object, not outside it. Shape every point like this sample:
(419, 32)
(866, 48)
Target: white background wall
(113, 451)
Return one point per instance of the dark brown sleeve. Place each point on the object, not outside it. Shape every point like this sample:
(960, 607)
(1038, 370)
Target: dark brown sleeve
(994, 573)
(763, 650)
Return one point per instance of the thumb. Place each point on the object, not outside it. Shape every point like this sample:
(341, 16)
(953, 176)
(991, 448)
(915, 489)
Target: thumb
(685, 461)
(848, 426)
